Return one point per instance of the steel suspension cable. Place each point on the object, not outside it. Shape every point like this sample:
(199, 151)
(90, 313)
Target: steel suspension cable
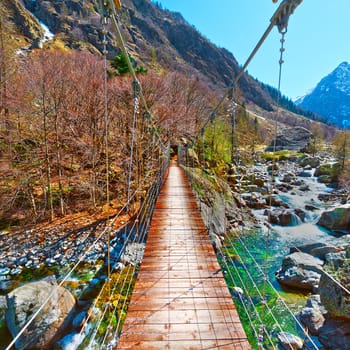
(141, 238)
(262, 297)
(106, 115)
(147, 203)
(246, 290)
(136, 91)
(274, 167)
(65, 278)
(280, 19)
(108, 7)
(263, 272)
(340, 285)
(257, 265)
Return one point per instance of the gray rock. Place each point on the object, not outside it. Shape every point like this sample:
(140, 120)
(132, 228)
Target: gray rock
(301, 214)
(275, 201)
(336, 219)
(314, 301)
(312, 162)
(312, 319)
(283, 217)
(335, 259)
(290, 341)
(298, 278)
(304, 174)
(293, 139)
(303, 260)
(333, 297)
(288, 178)
(310, 207)
(307, 248)
(312, 316)
(37, 44)
(50, 323)
(254, 200)
(335, 334)
(304, 188)
(320, 252)
(300, 271)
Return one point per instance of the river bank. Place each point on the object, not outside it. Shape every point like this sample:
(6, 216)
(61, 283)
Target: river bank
(270, 219)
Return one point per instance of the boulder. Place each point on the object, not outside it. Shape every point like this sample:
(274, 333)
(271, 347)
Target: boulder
(304, 188)
(310, 207)
(288, 178)
(290, 341)
(300, 271)
(325, 179)
(312, 316)
(51, 322)
(284, 187)
(282, 217)
(275, 201)
(321, 252)
(337, 218)
(293, 139)
(335, 259)
(260, 182)
(335, 334)
(306, 248)
(313, 162)
(254, 200)
(300, 213)
(304, 174)
(303, 260)
(192, 158)
(335, 299)
(327, 169)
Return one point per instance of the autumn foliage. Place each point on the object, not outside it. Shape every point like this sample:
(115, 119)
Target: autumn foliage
(53, 142)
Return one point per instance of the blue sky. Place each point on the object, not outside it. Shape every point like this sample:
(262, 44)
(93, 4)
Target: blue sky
(316, 43)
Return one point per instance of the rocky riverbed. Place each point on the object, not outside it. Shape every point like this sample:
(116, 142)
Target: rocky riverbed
(309, 243)
(302, 208)
(307, 220)
(34, 262)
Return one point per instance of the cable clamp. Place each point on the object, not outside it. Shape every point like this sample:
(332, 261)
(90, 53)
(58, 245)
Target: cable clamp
(281, 16)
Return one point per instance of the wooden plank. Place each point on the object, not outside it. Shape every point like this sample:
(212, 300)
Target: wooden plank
(180, 300)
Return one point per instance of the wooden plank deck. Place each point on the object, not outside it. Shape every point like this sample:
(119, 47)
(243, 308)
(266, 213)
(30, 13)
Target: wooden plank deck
(180, 300)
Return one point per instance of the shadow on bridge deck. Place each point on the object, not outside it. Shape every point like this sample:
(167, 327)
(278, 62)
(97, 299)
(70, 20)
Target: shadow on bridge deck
(180, 300)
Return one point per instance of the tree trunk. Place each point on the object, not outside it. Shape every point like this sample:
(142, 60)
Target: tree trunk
(47, 158)
(59, 166)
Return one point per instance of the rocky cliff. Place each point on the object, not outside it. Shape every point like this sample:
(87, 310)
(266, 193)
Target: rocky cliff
(159, 38)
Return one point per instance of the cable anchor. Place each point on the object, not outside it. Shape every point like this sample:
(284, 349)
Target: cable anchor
(281, 16)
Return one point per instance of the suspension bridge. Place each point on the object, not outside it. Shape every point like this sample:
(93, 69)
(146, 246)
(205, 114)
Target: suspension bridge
(180, 299)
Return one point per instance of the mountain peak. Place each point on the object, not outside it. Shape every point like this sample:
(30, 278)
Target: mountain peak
(344, 65)
(331, 97)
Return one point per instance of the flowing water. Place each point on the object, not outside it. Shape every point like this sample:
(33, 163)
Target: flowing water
(260, 252)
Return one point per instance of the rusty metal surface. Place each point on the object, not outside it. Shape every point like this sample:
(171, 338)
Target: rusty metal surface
(180, 300)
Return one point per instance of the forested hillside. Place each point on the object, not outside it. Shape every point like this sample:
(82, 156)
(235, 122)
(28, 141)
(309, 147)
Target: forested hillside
(54, 125)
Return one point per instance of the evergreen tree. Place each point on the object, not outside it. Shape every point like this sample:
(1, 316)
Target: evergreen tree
(120, 64)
